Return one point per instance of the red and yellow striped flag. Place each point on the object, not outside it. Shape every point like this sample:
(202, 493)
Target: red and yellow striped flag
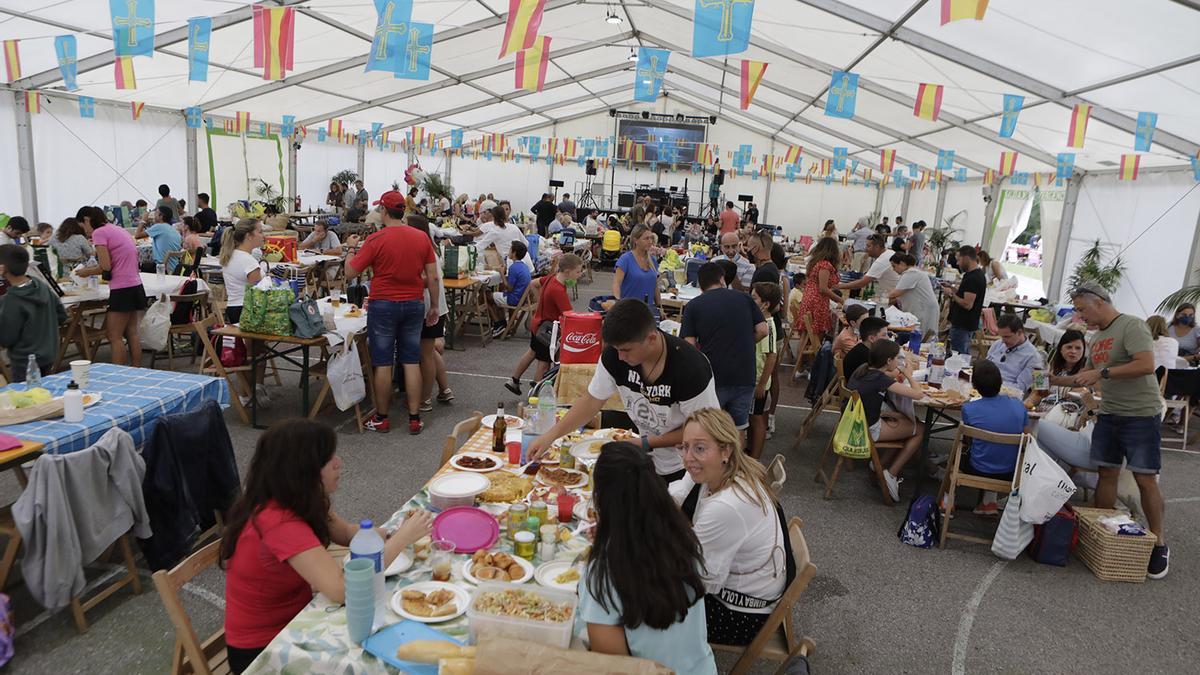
(956, 10)
(1008, 163)
(989, 177)
(1129, 166)
(1079, 122)
(639, 152)
(752, 74)
(767, 169)
(929, 101)
(241, 123)
(531, 65)
(33, 102)
(846, 178)
(416, 138)
(136, 108)
(793, 154)
(705, 154)
(551, 146)
(887, 159)
(628, 143)
(524, 18)
(12, 60)
(569, 147)
(866, 175)
(499, 142)
(825, 164)
(274, 40)
(335, 130)
(924, 182)
(123, 72)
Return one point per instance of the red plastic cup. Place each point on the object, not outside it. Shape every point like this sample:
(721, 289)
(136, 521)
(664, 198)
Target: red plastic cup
(514, 452)
(566, 506)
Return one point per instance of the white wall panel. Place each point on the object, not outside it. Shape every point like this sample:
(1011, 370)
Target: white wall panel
(316, 163)
(10, 182)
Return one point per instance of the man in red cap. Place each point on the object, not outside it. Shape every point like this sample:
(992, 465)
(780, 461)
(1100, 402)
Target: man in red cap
(404, 265)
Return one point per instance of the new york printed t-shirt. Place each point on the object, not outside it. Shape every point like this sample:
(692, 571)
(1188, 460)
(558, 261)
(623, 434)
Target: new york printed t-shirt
(722, 320)
(397, 255)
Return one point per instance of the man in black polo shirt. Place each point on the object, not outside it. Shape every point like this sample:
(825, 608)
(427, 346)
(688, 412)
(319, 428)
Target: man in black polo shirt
(660, 379)
(967, 302)
(544, 211)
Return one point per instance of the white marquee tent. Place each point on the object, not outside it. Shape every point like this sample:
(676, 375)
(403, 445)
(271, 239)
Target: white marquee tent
(1121, 57)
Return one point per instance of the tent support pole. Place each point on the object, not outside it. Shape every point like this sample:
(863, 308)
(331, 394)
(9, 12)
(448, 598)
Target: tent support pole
(293, 161)
(193, 169)
(904, 204)
(1191, 275)
(27, 177)
(449, 164)
(989, 215)
(770, 179)
(362, 160)
(553, 134)
(878, 205)
(1063, 242)
(940, 209)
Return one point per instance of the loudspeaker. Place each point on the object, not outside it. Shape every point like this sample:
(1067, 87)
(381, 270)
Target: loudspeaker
(625, 200)
(745, 198)
(556, 183)
(719, 177)
(591, 167)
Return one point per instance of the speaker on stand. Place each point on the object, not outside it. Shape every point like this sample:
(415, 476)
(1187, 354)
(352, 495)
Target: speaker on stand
(587, 200)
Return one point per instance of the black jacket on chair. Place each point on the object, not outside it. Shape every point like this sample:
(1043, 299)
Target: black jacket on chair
(191, 474)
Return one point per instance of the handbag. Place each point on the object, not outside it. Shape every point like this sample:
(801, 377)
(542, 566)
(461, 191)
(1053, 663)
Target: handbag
(850, 437)
(1054, 541)
(307, 321)
(1066, 414)
(1013, 534)
(267, 311)
(155, 326)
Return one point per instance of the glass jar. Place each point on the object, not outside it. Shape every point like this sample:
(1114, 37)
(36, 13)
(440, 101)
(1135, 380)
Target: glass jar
(516, 519)
(523, 545)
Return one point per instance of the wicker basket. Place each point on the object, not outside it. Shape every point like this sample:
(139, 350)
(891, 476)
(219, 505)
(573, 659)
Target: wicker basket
(1109, 556)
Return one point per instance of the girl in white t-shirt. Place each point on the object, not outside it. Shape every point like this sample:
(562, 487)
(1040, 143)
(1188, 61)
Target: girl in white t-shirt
(238, 267)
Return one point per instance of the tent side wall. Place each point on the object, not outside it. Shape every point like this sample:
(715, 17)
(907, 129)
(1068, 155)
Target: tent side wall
(10, 182)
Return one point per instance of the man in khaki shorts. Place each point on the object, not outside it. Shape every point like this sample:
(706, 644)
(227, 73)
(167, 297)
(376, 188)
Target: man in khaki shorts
(859, 260)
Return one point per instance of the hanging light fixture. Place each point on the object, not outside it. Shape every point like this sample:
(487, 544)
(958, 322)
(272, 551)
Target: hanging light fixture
(611, 16)
(632, 56)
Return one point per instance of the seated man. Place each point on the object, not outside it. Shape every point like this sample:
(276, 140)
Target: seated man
(322, 240)
(1015, 356)
(30, 314)
(16, 228)
(870, 329)
(512, 288)
(163, 236)
(998, 414)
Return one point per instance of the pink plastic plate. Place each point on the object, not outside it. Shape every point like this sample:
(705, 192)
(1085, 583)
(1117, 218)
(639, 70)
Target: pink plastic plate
(470, 529)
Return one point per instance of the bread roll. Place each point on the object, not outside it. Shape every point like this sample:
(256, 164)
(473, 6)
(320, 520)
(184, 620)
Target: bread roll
(430, 651)
(456, 666)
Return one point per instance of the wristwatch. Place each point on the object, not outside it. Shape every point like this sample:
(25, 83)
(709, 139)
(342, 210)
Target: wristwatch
(646, 443)
(1104, 373)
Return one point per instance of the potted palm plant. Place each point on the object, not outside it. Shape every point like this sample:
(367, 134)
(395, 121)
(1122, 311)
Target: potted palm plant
(942, 237)
(1092, 268)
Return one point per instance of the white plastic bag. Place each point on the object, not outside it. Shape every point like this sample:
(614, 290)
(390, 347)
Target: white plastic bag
(155, 327)
(1045, 487)
(346, 376)
(1012, 535)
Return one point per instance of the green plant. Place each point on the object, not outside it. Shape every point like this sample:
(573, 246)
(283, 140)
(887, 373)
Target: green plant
(1188, 294)
(269, 196)
(346, 176)
(941, 238)
(436, 188)
(1092, 268)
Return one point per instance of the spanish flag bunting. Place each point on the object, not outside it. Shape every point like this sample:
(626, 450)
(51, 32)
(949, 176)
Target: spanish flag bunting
(274, 40)
(560, 160)
(937, 176)
(335, 129)
(752, 74)
(825, 163)
(604, 162)
(1008, 163)
(989, 177)
(887, 159)
(531, 65)
(639, 152)
(241, 123)
(1129, 166)
(33, 102)
(957, 10)
(845, 178)
(704, 154)
(808, 179)
(12, 60)
(929, 101)
(123, 72)
(568, 147)
(1079, 122)
(498, 142)
(551, 145)
(432, 139)
(416, 138)
(628, 143)
(792, 156)
(520, 32)
(924, 179)
(136, 108)
(866, 175)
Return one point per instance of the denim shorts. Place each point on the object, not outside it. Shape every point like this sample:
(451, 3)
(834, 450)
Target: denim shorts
(1133, 441)
(737, 401)
(960, 340)
(394, 331)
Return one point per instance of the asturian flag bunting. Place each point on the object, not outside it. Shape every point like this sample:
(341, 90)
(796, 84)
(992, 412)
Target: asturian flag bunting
(887, 160)
(945, 160)
(136, 107)
(960, 174)
(193, 116)
(648, 77)
(929, 101)
(12, 60)
(1012, 108)
(839, 158)
(521, 29)
(843, 92)
(87, 107)
(199, 42)
(1143, 136)
(274, 40)
(531, 65)
(416, 50)
(456, 138)
(1079, 121)
(1064, 165)
(1129, 166)
(957, 10)
(123, 73)
(68, 63)
(391, 32)
(1196, 167)
(287, 127)
(721, 27)
(1008, 163)
(133, 27)
(752, 74)
(321, 134)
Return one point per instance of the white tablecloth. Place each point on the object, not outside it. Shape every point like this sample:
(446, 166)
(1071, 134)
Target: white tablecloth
(153, 284)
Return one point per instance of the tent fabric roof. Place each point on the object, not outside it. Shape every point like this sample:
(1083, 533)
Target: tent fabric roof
(1121, 57)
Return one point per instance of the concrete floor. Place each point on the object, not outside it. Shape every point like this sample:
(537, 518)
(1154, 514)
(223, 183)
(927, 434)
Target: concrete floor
(875, 606)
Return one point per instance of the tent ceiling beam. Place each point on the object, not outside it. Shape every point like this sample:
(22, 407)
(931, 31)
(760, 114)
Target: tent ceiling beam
(568, 118)
(997, 71)
(474, 106)
(561, 104)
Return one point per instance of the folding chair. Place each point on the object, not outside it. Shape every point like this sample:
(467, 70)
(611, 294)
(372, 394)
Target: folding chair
(810, 342)
(832, 396)
(988, 333)
(321, 372)
(776, 473)
(211, 364)
(461, 434)
(1182, 404)
(831, 480)
(475, 313)
(956, 478)
(200, 309)
(518, 316)
(173, 262)
(189, 655)
(333, 275)
(777, 639)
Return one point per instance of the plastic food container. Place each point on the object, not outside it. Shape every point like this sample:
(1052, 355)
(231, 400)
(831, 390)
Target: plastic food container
(553, 633)
(457, 489)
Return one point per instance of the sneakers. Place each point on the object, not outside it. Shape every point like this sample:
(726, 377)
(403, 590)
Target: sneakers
(426, 405)
(446, 395)
(415, 425)
(989, 509)
(893, 485)
(1160, 562)
(514, 387)
(498, 330)
(378, 424)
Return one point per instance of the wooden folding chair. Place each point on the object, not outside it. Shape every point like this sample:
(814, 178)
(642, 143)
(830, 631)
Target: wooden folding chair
(776, 473)
(8, 528)
(130, 578)
(519, 315)
(211, 364)
(1182, 404)
(321, 372)
(831, 397)
(810, 342)
(460, 435)
(200, 310)
(777, 639)
(173, 262)
(189, 655)
(831, 480)
(956, 478)
(337, 280)
(475, 313)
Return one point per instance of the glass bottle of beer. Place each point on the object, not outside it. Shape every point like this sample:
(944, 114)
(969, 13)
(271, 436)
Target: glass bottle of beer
(499, 428)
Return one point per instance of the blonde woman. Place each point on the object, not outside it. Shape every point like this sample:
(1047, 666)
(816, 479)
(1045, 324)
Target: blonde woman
(1166, 348)
(239, 267)
(728, 498)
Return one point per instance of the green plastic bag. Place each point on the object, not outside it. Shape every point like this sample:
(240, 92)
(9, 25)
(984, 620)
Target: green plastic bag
(850, 437)
(267, 311)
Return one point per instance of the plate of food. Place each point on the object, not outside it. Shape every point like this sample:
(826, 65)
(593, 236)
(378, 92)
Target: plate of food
(564, 478)
(584, 511)
(615, 434)
(559, 574)
(353, 313)
(510, 421)
(497, 566)
(475, 462)
(506, 488)
(521, 603)
(431, 601)
(588, 450)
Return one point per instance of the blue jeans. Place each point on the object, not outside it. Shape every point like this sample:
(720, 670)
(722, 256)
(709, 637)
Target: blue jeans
(960, 340)
(394, 331)
(1133, 441)
(737, 401)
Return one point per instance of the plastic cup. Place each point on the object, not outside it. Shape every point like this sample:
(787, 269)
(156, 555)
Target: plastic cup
(566, 506)
(79, 372)
(514, 452)
(360, 598)
(441, 559)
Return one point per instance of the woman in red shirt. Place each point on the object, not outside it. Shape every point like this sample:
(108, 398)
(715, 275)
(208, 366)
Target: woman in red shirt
(273, 548)
(552, 302)
(821, 277)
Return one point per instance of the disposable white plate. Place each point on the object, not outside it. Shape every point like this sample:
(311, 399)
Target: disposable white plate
(461, 600)
(525, 565)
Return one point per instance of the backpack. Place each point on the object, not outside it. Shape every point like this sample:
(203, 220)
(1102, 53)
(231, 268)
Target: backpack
(1054, 541)
(821, 373)
(920, 527)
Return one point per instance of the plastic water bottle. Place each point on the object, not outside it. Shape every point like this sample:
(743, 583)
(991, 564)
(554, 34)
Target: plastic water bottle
(531, 428)
(547, 407)
(367, 543)
(33, 374)
(73, 403)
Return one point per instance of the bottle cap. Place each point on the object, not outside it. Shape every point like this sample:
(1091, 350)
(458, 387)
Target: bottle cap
(533, 522)
(524, 536)
(366, 524)
(533, 400)
(72, 385)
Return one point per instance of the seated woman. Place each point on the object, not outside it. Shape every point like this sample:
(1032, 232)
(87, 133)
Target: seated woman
(732, 509)
(848, 336)
(873, 381)
(273, 547)
(1184, 330)
(1166, 348)
(70, 244)
(640, 600)
(1070, 447)
(992, 269)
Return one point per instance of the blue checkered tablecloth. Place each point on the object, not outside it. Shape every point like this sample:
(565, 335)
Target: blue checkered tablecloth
(132, 398)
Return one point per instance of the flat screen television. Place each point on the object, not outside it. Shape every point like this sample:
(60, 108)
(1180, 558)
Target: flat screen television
(650, 133)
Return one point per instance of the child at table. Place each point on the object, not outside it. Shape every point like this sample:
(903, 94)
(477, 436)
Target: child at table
(998, 414)
(30, 314)
(274, 545)
(883, 375)
(848, 336)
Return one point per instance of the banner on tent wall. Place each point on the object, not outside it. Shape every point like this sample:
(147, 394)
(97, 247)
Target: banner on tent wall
(651, 66)
(133, 27)
(416, 49)
(843, 92)
(65, 50)
(199, 39)
(391, 29)
(721, 27)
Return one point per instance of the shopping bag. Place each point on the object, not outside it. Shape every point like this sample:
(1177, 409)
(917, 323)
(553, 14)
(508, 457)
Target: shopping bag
(1054, 541)
(266, 310)
(1013, 535)
(850, 437)
(1045, 487)
(306, 319)
(346, 376)
(155, 327)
